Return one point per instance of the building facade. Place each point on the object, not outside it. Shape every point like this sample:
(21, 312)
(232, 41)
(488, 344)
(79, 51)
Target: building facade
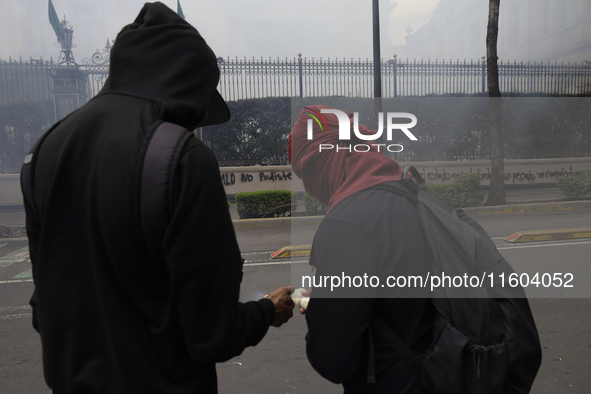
(529, 30)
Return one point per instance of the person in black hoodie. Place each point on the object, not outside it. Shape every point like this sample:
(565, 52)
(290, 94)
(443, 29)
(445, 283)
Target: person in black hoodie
(112, 318)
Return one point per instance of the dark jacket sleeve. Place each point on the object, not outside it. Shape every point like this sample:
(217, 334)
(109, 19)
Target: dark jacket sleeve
(205, 266)
(33, 230)
(337, 324)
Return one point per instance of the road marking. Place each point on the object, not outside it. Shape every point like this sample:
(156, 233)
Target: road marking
(276, 263)
(253, 264)
(25, 274)
(249, 253)
(19, 316)
(14, 308)
(15, 281)
(15, 257)
(3, 245)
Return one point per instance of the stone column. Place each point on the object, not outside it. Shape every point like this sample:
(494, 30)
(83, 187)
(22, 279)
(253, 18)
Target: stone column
(69, 91)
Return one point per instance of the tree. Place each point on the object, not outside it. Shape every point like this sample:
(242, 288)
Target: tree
(496, 195)
(256, 134)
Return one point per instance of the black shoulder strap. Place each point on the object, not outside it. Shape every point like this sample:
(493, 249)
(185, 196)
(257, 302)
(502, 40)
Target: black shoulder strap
(28, 174)
(393, 340)
(156, 203)
(416, 177)
(376, 323)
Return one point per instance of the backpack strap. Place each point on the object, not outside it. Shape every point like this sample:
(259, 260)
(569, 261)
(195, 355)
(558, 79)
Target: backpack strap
(28, 173)
(416, 177)
(156, 191)
(393, 340)
(410, 192)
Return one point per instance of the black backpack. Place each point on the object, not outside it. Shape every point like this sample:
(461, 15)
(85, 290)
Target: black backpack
(160, 153)
(484, 339)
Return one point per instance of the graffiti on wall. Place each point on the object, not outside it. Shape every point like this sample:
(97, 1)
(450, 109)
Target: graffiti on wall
(441, 174)
(230, 178)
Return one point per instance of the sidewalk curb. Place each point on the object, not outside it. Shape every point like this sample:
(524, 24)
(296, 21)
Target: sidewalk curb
(252, 224)
(12, 231)
(292, 251)
(528, 208)
(550, 235)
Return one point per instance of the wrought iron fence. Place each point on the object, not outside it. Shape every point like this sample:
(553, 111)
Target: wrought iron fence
(25, 80)
(299, 77)
(258, 78)
(97, 69)
(30, 80)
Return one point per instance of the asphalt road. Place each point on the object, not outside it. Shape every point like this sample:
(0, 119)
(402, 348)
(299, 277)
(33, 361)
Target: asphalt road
(279, 365)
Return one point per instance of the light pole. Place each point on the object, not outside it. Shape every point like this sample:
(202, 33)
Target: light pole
(66, 58)
(377, 75)
(377, 80)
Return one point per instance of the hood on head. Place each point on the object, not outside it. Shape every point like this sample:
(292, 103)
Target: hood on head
(331, 175)
(162, 57)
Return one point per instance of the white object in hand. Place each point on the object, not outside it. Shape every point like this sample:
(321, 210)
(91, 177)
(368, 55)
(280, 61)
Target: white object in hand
(299, 300)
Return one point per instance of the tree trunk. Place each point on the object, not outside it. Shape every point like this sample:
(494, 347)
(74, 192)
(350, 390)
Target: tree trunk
(496, 194)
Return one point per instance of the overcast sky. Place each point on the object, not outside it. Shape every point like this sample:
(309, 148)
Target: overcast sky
(260, 28)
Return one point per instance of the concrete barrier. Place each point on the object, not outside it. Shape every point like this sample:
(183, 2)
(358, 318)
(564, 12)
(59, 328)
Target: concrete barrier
(255, 178)
(10, 189)
(517, 172)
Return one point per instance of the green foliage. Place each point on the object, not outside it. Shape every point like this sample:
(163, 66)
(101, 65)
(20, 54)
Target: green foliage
(313, 206)
(578, 185)
(21, 124)
(447, 193)
(265, 203)
(256, 133)
(457, 128)
(229, 204)
(463, 192)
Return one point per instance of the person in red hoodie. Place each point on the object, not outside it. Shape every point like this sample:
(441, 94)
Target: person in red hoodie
(367, 231)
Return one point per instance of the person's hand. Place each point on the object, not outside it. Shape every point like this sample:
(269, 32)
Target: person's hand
(306, 293)
(283, 305)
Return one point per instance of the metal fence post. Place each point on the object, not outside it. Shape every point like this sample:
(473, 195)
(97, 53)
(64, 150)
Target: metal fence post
(483, 68)
(394, 72)
(301, 76)
(69, 90)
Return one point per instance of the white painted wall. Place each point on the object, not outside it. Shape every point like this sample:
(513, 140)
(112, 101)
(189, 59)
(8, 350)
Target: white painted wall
(255, 178)
(518, 172)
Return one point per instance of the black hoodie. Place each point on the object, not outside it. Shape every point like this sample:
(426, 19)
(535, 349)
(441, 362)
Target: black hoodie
(111, 318)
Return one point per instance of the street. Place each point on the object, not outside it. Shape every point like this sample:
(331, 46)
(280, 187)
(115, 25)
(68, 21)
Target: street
(279, 364)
